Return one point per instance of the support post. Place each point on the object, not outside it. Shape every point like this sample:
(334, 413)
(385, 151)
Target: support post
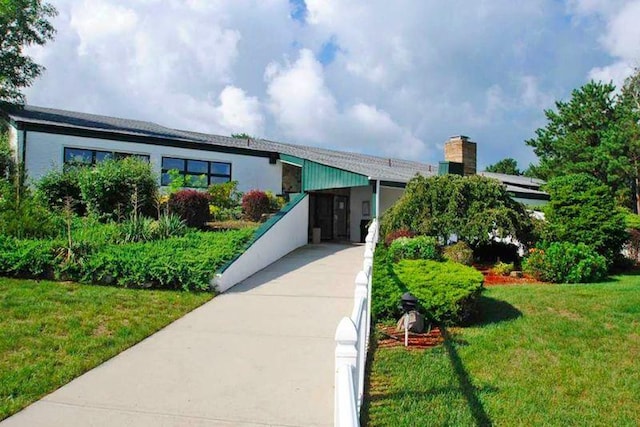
(346, 356)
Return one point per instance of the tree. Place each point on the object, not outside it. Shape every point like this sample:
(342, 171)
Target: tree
(630, 127)
(508, 166)
(22, 23)
(582, 210)
(472, 208)
(584, 136)
(241, 136)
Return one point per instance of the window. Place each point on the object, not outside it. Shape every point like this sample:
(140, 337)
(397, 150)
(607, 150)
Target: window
(197, 173)
(91, 157)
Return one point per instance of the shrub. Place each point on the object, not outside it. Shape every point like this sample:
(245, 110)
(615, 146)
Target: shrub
(225, 214)
(459, 252)
(26, 219)
(26, 258)
(225, 195)
(113, 188)
(582, 210)
(472, 208)
(396, 234)
(255, 203)
(447, 291)
(502, 268)
(192, 206)
(275, 202)
(421, 247)
(564, 262)
(56, 186)
(187, 263)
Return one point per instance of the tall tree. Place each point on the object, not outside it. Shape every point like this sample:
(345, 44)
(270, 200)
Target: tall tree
(584, 136)
(630, 126)
(22, 23)
(508, 166)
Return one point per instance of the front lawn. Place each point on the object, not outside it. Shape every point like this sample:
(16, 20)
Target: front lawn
(540, 355)
(52, 332)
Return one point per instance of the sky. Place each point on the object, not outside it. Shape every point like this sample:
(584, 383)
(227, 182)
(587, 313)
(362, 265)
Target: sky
(388, 78)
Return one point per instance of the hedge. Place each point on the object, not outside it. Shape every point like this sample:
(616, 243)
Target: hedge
(447, 291)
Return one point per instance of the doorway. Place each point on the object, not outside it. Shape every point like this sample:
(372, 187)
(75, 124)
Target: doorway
(329, 212)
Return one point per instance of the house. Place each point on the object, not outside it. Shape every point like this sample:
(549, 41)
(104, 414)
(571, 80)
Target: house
(346, 190)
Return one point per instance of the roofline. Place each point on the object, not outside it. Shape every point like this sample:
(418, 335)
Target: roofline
(132, 137)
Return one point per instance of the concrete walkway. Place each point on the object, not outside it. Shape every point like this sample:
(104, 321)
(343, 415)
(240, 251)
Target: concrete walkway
(261, 354)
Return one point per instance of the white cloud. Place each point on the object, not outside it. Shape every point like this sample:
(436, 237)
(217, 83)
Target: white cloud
(406, 75)
(239, 113)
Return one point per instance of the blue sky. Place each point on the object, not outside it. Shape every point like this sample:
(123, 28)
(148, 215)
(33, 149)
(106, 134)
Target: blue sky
(394, 79)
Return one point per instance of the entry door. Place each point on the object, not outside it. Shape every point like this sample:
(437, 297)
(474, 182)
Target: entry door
(341, 211)
(324, 216)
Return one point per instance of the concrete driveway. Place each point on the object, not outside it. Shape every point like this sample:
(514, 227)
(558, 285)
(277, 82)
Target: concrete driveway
(260, 354)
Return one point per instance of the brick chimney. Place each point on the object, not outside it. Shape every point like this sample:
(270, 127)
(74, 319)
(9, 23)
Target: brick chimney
(460, 149)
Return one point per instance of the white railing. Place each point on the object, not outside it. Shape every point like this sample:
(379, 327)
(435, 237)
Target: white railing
(352, 340)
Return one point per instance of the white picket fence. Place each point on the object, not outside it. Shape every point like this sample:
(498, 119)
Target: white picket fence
(352, 340)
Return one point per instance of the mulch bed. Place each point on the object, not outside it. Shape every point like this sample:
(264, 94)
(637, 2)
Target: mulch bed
(491, 279)
(390, 337)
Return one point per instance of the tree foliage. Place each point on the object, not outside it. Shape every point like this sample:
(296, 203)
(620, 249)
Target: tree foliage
(472, 208)
(585, 135)
(507, 166)
(582, 210)
(22, 23)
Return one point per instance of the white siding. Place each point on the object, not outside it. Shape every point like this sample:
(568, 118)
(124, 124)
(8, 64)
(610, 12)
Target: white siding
(45, 150)
(358, 195)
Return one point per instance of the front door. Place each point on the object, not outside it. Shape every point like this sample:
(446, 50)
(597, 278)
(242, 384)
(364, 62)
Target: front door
(324, 216)
(341, 215)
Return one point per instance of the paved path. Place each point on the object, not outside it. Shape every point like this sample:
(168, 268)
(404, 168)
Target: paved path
(260, 354)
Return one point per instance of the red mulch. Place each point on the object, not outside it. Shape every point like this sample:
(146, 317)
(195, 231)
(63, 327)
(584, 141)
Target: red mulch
(416, 341)
(491, 279)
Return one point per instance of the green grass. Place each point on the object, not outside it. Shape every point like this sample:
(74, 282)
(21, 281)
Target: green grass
(540, 355)
(52, 332)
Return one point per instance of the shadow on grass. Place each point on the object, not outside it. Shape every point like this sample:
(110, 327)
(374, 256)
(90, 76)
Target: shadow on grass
(491, 310)
(469, 391)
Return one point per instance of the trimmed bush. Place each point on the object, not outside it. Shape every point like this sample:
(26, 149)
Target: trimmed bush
(447, 291)
(459, 252)
(421, 247)
(396, 234)
(187, 263)
(114, 188)
(255, 203)
(192, 206)
(564, 262)
(26, 258)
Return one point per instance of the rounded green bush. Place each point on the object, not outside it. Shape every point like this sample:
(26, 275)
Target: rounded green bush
(459, 252)
(421, 247)
(565, 262)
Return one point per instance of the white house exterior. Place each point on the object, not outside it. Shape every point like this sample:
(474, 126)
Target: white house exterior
(346, 190)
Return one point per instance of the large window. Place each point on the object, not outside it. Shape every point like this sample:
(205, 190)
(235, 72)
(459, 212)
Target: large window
(197, 173)
(81, 156)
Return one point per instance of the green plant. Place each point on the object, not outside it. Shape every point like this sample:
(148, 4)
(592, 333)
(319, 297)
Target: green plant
(582, 210)
(421, 247)
(255, 203)
(56, 186)
(275, 202)
(458, 252)
(565, 262)
(503, 268)
(26, 258)
(472, 208)
(192, 206)
(225, 195)
(108, 188)
(447, 291)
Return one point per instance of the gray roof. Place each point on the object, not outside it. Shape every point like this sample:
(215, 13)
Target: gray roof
(518, 183)
(379, 168)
